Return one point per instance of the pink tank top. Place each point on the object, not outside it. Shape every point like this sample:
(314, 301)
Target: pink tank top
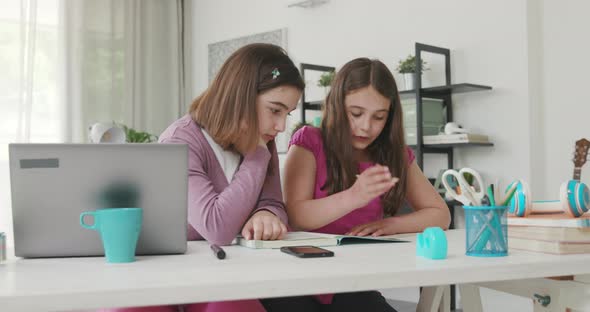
(310, 138)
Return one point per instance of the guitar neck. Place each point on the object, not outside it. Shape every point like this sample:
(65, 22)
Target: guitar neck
(577, 173)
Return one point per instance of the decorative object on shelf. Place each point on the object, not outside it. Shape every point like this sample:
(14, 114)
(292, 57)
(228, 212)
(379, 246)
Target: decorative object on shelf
(325, 81)
(315, 77)
(106, 132)
(408, 69)
(454, 128)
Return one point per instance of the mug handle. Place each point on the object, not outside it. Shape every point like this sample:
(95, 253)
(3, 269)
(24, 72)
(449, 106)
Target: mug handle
(88, 213)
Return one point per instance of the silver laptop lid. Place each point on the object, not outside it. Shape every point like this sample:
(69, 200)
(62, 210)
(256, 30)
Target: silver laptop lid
(52, 184)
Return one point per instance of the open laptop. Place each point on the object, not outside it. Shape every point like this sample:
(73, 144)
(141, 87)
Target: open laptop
(52, 184)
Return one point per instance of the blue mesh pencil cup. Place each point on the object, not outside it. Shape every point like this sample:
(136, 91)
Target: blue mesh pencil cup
(486, 231)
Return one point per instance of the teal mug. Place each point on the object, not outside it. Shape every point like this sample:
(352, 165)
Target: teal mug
(119, 230)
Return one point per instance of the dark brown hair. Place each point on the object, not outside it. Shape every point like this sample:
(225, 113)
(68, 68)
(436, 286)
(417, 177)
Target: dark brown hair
(388, 149)
(230, 99)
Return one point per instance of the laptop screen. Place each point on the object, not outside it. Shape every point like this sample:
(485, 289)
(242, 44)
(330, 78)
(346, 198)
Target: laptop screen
(52, 184)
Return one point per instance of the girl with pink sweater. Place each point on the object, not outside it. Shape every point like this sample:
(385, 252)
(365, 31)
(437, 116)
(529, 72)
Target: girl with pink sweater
(234, 185)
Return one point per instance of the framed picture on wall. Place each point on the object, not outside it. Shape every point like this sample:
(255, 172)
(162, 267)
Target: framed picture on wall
(220, 51)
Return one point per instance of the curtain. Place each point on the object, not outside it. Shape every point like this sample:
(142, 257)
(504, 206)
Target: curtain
(68, 64)
(124, 64)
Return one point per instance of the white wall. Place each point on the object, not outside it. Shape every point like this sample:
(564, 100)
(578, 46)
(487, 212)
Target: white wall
(531, 52)
(536, 100)
(488, 45)
(566, 72)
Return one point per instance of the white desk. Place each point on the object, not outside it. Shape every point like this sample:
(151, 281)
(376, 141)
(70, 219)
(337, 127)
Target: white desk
(85, 283)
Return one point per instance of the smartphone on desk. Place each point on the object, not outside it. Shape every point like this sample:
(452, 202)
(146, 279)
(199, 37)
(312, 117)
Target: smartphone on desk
(307, 251)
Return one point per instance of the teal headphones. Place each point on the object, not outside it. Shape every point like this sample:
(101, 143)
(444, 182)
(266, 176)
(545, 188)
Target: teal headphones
(574, 200)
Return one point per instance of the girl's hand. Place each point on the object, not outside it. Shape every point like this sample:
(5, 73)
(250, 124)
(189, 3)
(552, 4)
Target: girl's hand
(372, 183)
(264, 225)
(377, 228)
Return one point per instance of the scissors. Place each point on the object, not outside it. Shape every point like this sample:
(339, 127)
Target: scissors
(469, 196)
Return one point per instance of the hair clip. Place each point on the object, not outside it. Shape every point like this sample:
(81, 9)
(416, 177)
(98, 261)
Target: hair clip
(275, 73)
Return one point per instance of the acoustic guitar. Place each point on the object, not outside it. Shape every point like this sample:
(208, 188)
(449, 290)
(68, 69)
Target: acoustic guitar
(580, 156)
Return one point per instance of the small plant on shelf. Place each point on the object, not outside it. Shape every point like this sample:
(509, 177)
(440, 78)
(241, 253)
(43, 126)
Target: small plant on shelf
(408, 65)
(326, 79)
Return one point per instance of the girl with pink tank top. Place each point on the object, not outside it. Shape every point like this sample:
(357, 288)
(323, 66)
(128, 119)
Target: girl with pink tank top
(352, 174)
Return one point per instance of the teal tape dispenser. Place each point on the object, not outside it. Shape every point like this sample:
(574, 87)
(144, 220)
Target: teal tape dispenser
(432, 243)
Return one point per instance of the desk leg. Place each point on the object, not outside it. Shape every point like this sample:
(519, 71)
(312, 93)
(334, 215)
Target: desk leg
(452, 226)
(433, 299)
(445, 303)
(470, 298)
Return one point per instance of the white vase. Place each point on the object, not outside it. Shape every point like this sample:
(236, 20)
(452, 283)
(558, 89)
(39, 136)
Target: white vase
(409, 81)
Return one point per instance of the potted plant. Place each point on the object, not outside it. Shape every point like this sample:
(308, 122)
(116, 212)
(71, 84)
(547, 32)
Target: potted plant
(326, 80)
(134, 136)
(407, 68)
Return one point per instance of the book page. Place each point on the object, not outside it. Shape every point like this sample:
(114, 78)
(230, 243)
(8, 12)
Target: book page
(291, 239)
(305, 235)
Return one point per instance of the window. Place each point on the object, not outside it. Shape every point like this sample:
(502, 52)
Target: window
(30, 69)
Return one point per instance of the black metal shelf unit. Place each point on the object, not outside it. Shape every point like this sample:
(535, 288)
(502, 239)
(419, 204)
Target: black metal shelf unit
(306, 104)
(443, 90)
(443, 147)
(443, 93)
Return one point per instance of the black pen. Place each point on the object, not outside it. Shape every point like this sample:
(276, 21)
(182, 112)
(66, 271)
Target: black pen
(218, 251)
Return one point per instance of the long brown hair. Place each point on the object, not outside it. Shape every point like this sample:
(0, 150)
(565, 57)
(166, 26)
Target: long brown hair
(230, 100)
(389, 149)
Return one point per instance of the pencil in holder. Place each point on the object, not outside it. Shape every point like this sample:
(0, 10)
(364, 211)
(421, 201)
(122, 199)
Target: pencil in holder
(486, 231)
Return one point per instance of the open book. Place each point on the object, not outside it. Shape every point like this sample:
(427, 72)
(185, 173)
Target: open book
(316, 239)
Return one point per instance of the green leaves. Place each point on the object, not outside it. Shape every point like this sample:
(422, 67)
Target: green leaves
(409, 65)
(326, 79)
(134, 136)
